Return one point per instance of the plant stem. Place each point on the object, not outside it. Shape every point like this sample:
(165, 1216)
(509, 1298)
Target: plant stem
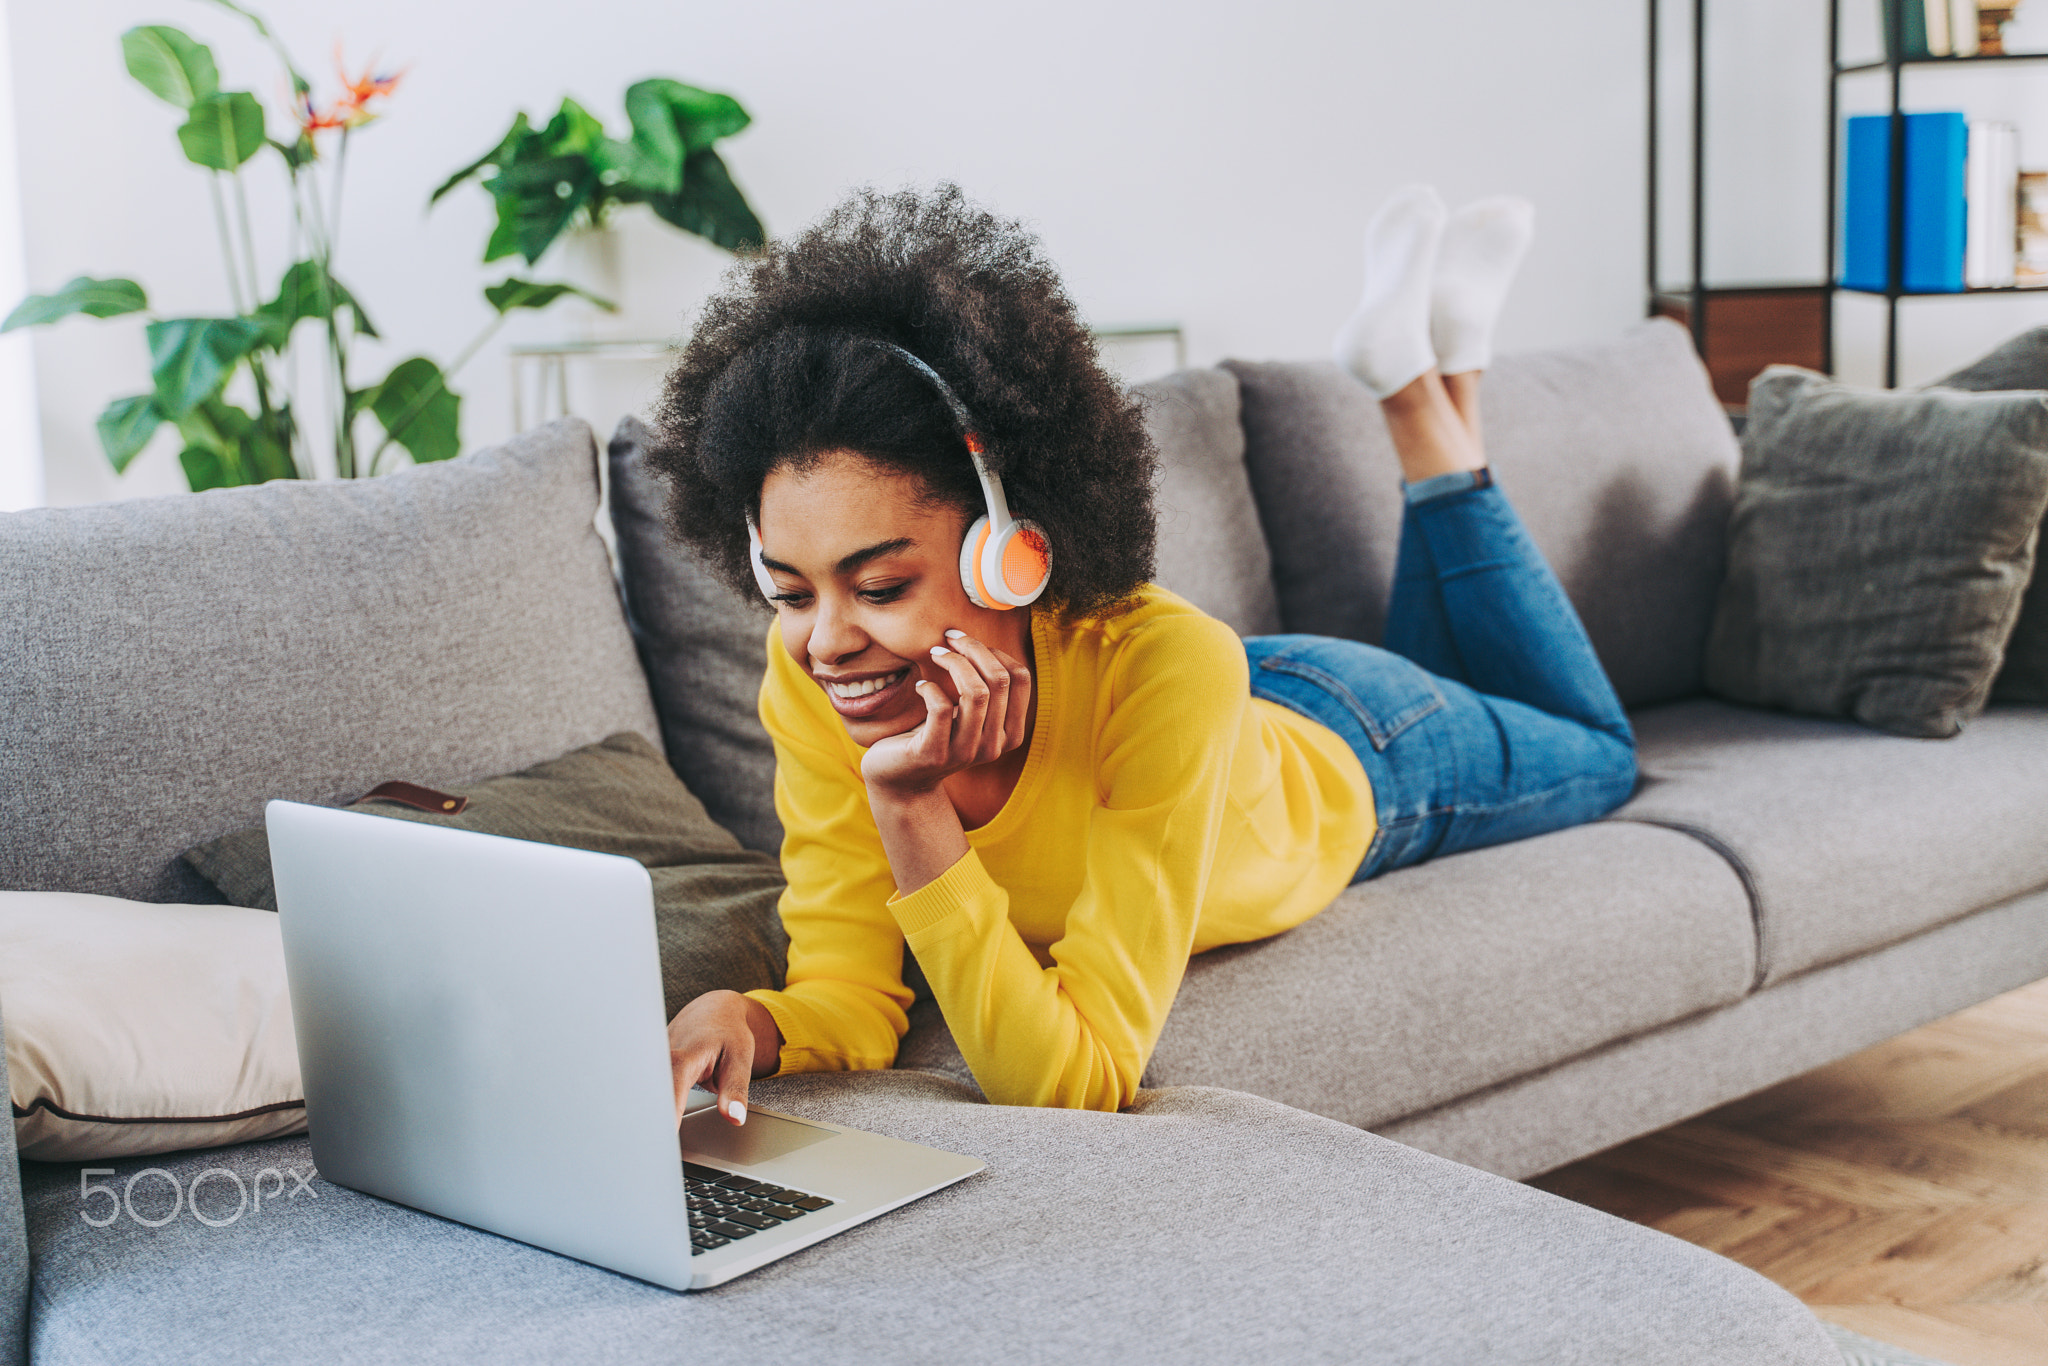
(337, 350)
(227, 245)
(340, 178)
(248, 242)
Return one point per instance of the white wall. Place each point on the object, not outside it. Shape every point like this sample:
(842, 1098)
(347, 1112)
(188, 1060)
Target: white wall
(1193, 160)
(21, 454)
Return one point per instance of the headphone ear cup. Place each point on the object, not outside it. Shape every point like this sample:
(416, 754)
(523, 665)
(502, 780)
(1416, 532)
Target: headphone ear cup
(970, 564)
(762, 578)
(1017, 564)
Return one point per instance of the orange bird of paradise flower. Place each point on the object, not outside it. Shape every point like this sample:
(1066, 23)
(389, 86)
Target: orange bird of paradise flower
(353, 108)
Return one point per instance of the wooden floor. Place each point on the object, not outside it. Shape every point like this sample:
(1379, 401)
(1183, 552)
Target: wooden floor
(1901, 1192)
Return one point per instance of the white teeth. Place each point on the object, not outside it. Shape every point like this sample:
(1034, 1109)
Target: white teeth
(850, 691)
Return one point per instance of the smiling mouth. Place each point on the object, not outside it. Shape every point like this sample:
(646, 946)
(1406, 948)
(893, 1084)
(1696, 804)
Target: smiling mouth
(851, 691)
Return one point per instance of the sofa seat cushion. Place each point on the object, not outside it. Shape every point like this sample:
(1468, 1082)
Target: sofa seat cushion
(1199, 1227)
(1848, 839)
(1426, 984)
(172, 663)
(1616, 454)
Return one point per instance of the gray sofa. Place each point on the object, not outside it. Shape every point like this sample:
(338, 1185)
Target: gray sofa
(1779, 892)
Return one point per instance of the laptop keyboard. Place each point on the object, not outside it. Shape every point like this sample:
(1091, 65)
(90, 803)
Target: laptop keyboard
(725, 1206)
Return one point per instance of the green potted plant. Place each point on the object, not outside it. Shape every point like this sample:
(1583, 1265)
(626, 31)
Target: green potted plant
(570, 172)
(258, 434)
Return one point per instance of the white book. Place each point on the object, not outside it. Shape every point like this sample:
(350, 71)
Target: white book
(1938, 44)
(1991, 223)
(1962, 27)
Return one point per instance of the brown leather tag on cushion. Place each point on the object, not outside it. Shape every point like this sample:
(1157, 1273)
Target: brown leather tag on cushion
(417, 797)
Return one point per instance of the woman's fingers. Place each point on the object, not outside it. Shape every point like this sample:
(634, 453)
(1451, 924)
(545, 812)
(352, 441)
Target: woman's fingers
(973, 705)
(1009, 704)
(935, 737)
(693, 1066)
(735, 1069)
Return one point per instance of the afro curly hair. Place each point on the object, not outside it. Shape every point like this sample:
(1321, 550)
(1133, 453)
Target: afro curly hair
(782, 369)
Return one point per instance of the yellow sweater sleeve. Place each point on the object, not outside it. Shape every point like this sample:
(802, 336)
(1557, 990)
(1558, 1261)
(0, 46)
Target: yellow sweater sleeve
(1079, 1032)
(844, 1006)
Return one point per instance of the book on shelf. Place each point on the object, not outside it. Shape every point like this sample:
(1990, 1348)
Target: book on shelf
(1964, 30)
(1992, 176)
(1935, 198)
(1947, 28)
(2032, 266)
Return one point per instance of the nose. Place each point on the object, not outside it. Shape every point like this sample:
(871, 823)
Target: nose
(834, 633)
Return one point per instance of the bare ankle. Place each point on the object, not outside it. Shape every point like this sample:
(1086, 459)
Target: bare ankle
(1430, 436)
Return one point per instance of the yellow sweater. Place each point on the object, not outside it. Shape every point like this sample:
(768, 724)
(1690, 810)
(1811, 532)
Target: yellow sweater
(1162, 811)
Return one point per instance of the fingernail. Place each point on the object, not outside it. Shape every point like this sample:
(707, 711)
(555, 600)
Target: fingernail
(956, 635)
(940, 650)
(738, 1111)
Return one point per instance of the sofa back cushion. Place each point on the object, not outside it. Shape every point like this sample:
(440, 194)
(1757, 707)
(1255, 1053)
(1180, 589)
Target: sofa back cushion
(173, 663)
(704, 650)
(1212, 550)
(703, 647)
(1616, 453)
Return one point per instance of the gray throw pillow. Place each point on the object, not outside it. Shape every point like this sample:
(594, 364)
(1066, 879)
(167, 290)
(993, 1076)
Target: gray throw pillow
(703, 650)
(1879, 550)
(2021, 363)
(714, 902)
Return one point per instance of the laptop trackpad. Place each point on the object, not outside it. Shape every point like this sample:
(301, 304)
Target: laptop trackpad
(763, 1138)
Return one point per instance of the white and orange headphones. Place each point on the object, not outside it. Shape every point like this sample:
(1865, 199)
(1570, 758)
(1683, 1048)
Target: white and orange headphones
(1004, 561)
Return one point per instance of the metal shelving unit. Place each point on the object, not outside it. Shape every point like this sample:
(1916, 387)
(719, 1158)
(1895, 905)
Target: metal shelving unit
(1698, 298)
(1896, 66)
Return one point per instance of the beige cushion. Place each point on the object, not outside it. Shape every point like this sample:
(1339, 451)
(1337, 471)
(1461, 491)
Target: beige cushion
(135, 1028)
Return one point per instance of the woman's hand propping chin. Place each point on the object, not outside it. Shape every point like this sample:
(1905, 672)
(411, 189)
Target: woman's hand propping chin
(983, 719)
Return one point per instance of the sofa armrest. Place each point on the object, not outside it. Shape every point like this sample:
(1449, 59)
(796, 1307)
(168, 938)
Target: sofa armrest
(13, 1243)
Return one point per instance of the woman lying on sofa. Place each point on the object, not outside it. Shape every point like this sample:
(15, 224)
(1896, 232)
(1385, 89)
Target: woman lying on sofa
(996, 741)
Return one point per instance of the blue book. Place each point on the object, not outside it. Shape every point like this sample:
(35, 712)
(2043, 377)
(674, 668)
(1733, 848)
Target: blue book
(1937, 146)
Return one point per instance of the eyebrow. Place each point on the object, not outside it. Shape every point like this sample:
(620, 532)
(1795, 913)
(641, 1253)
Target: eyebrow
(850, 562)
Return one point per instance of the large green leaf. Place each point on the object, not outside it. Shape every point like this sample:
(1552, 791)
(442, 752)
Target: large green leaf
(418, 411)
(206, 468)
(711, 206)
(225, 130)
(514, 292)
(700, 117)
(170, 65)
(94, 298)
(191, 358)
(497, 156)
(307, 291)
(653, 161)
(126, 427)
(225, 446)
(573, 132)
(537, 200)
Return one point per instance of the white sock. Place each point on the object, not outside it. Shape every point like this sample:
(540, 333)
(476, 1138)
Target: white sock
(1483, 244)
(1386, 341)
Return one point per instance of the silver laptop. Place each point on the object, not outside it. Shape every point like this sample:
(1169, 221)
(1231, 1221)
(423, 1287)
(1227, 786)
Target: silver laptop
(481, 1031)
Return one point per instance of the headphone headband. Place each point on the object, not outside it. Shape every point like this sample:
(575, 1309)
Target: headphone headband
(1003, 562)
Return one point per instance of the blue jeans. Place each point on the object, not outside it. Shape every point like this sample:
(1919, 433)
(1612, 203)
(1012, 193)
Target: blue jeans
(1487, 717)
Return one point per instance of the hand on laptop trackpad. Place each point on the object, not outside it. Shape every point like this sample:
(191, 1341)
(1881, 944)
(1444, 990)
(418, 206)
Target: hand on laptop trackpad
(763, 1138)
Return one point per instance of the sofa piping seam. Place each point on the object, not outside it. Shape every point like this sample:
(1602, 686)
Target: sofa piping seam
(21, 1112)
(1742, 873)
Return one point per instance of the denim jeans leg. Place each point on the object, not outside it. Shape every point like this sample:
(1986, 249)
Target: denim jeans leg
(1451, 768)
(1514, 632)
